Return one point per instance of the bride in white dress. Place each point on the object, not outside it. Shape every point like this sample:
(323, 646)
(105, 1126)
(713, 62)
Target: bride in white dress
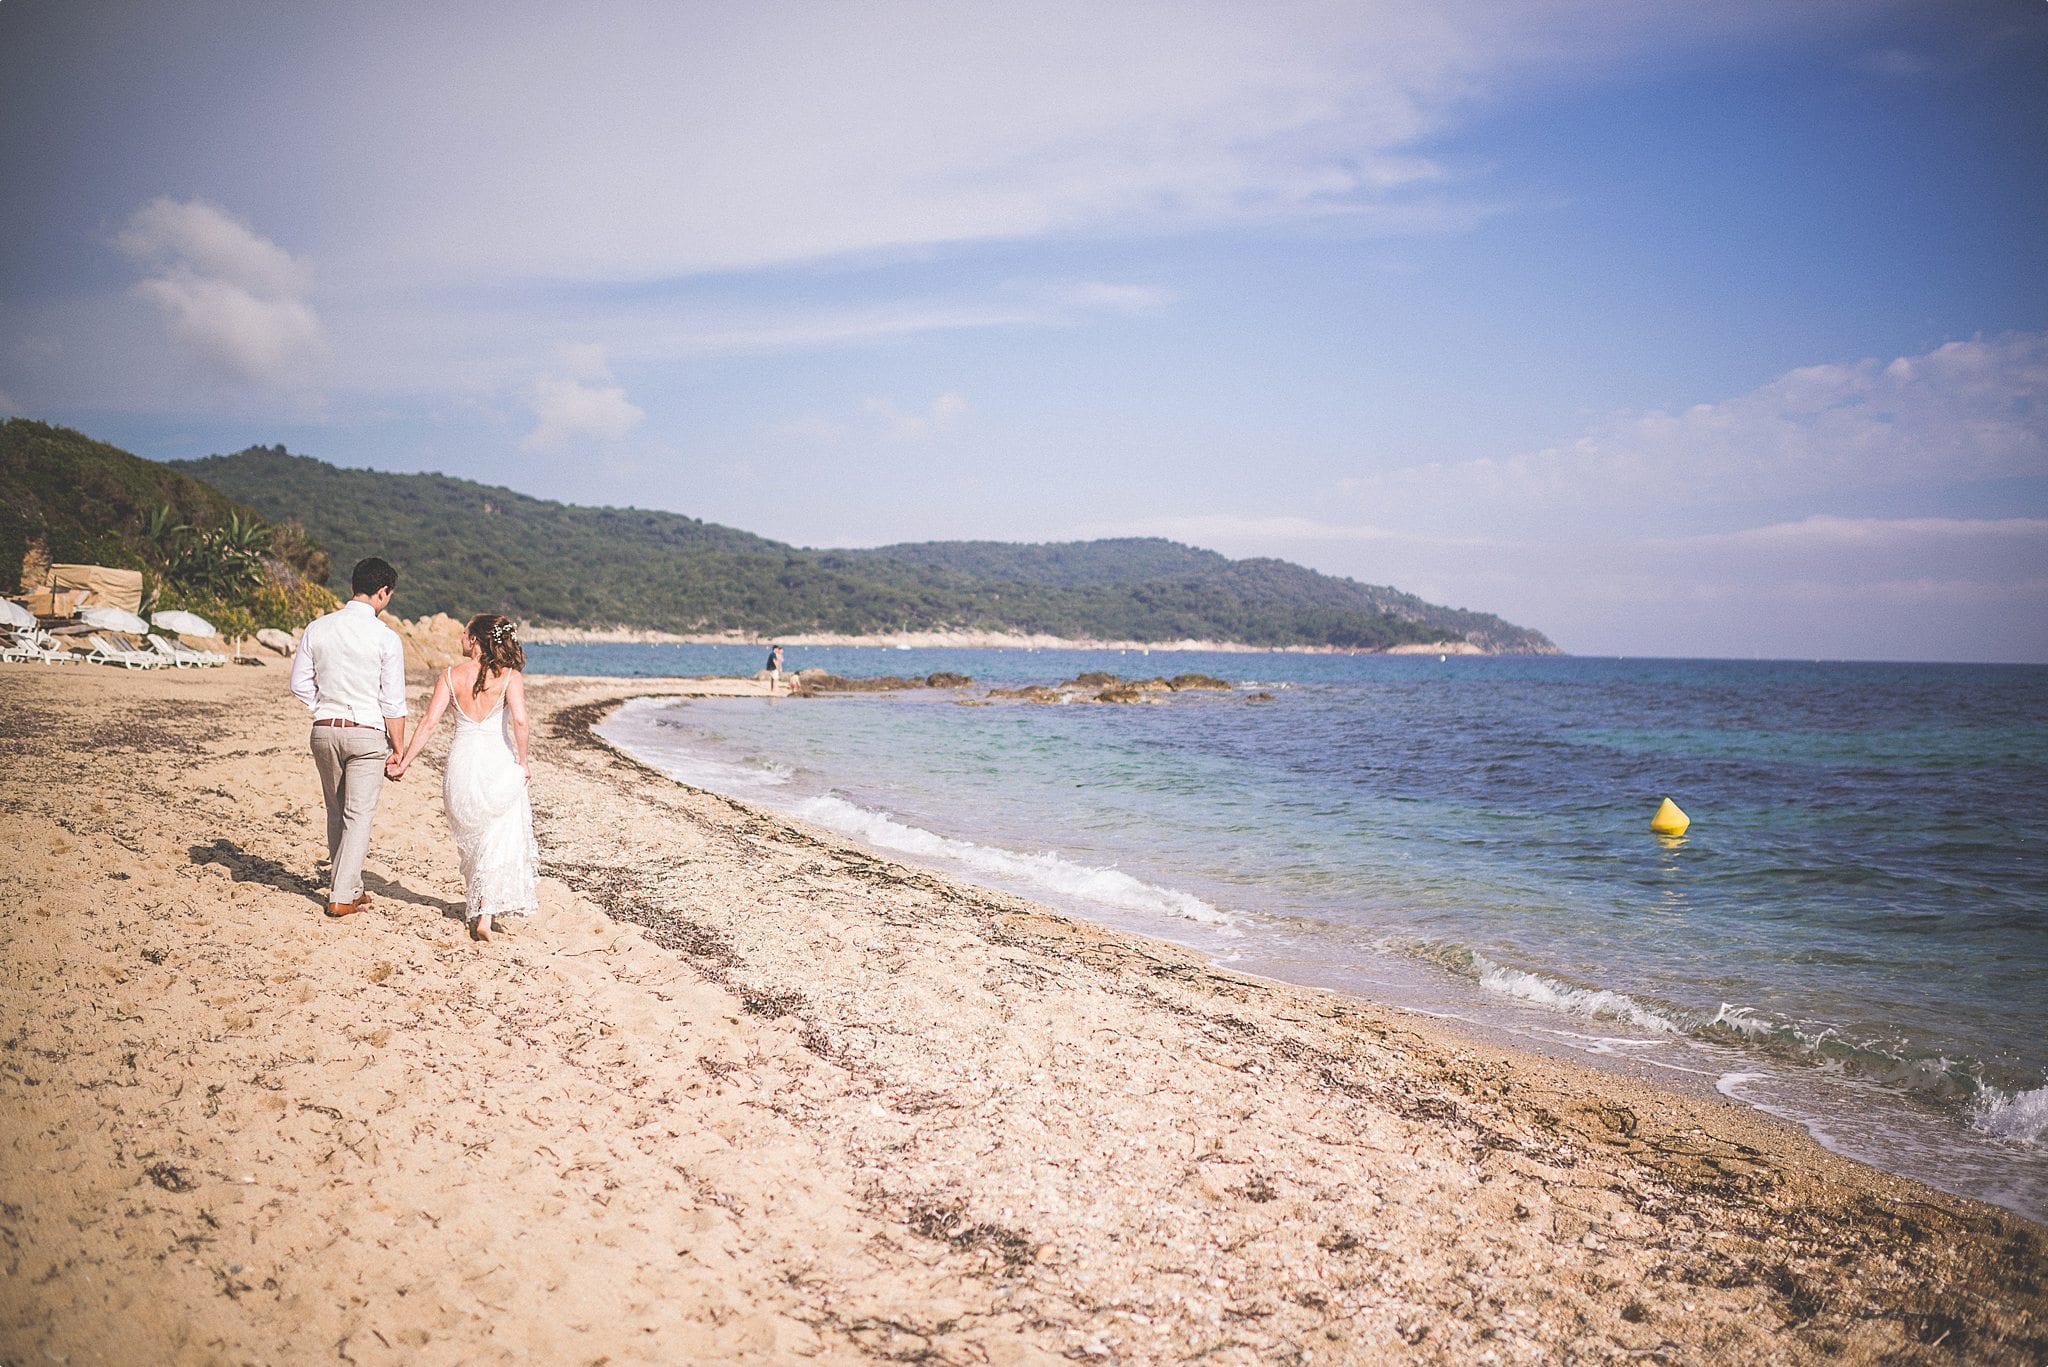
(484, 785)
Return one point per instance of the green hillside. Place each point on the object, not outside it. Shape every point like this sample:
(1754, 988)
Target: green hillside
(1266, 587)
(463, 547)
(88, 502)
(79, 501)
(1062, 564)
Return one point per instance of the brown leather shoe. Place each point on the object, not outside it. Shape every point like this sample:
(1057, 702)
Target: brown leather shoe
(345, 908)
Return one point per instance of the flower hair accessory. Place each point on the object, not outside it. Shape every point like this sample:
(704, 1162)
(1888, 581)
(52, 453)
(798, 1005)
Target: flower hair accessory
(500, 633)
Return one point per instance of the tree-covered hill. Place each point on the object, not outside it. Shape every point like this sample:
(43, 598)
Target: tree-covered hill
(1265, 585)
(463, 547)
(1063, 564)
(87, 502)
(67, 499)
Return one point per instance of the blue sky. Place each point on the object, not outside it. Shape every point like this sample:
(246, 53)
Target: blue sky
(1666, 329)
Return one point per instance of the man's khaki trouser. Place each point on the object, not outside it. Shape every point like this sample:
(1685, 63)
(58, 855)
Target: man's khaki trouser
(351, 764)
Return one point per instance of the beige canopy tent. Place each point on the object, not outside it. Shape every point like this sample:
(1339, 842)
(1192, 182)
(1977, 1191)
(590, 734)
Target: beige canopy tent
(103, 587)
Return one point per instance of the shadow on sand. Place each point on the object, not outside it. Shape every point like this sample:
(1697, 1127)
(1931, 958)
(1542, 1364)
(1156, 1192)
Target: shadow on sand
(399, 892)
(245, 867)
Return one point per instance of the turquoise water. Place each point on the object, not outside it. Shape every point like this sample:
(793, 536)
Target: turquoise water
(1853, 934)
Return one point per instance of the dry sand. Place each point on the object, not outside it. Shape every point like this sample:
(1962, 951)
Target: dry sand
(747, 1093)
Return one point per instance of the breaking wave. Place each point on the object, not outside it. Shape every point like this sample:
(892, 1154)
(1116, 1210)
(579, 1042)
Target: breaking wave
(1957, 1084)
(1045, 871)
(2011, 1115)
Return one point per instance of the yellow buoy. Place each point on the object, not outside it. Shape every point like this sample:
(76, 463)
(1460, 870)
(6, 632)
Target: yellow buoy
(1669, 820)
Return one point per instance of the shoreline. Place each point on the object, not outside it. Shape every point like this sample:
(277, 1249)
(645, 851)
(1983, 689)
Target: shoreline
(1020, 834)
(1469, 1031)
(963, 640)
(745, 1092)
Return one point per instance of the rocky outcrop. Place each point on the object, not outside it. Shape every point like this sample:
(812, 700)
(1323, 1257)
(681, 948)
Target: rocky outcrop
(1029, 693)
(1093, 686)
(1098, 686)
(821, 681)
(431, 643)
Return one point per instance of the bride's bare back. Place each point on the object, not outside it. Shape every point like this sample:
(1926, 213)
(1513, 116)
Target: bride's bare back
(462, 686)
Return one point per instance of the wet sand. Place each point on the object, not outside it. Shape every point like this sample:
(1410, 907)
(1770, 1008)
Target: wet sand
(745, 1092)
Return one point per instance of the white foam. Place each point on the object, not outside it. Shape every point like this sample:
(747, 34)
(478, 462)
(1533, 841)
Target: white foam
(1744, 1021)
(2011, 1115)
(673, 757)
(1045, 870)
(1595, 1003)
(721, 776)
(1730, 1085)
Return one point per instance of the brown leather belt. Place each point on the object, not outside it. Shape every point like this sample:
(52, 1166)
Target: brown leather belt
(342, 721)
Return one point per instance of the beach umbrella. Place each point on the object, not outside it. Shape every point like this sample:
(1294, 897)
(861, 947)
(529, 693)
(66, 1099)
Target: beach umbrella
(114, 619)
(182, 622)
(13, 614)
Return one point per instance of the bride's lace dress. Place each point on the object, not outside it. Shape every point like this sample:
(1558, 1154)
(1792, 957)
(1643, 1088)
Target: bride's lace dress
(491, 816)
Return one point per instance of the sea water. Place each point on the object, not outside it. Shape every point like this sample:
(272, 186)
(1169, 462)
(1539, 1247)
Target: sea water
(1852, 935)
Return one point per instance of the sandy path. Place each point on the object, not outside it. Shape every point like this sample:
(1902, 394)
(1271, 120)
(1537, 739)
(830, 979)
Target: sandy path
(749, 1094)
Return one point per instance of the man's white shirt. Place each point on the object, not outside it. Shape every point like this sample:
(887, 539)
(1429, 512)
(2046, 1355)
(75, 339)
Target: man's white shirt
(350, 666)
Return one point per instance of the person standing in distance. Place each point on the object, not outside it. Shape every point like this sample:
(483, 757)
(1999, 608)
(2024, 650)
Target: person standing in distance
(774, 667)
(350, 670)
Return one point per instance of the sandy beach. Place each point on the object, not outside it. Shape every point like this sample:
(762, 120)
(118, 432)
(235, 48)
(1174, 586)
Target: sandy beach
(746, 1093)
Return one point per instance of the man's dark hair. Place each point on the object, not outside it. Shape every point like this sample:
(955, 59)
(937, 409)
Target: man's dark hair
(371, 575)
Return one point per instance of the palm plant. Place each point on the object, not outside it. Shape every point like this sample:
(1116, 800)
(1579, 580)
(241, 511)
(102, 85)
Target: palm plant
(165, 533)
(223, 562)
(250, 538)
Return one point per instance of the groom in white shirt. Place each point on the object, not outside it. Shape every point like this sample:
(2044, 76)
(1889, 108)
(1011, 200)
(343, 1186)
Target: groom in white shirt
(350, 670)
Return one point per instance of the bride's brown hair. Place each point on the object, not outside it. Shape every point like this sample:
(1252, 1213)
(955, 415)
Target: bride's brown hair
(498, 650)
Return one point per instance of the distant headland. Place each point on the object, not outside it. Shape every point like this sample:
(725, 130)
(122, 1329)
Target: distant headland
(589, 573)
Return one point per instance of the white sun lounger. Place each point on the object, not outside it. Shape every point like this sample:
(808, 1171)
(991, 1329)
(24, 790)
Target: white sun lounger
(35, 647)
(104, 654)
(187, 655)
(170, 653)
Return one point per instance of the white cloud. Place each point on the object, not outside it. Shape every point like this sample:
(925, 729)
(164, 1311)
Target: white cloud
(1583, 541)
(582, 401)
(1896, 62)
(232, 298)
(1870, 588)
(1009, 305)
(584, 361)
(508, 142)
(676, 139)
(942, 413)
(1102, 296)
(809, 429)
(1965, 411)
(883, 416)
(1840, 588)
